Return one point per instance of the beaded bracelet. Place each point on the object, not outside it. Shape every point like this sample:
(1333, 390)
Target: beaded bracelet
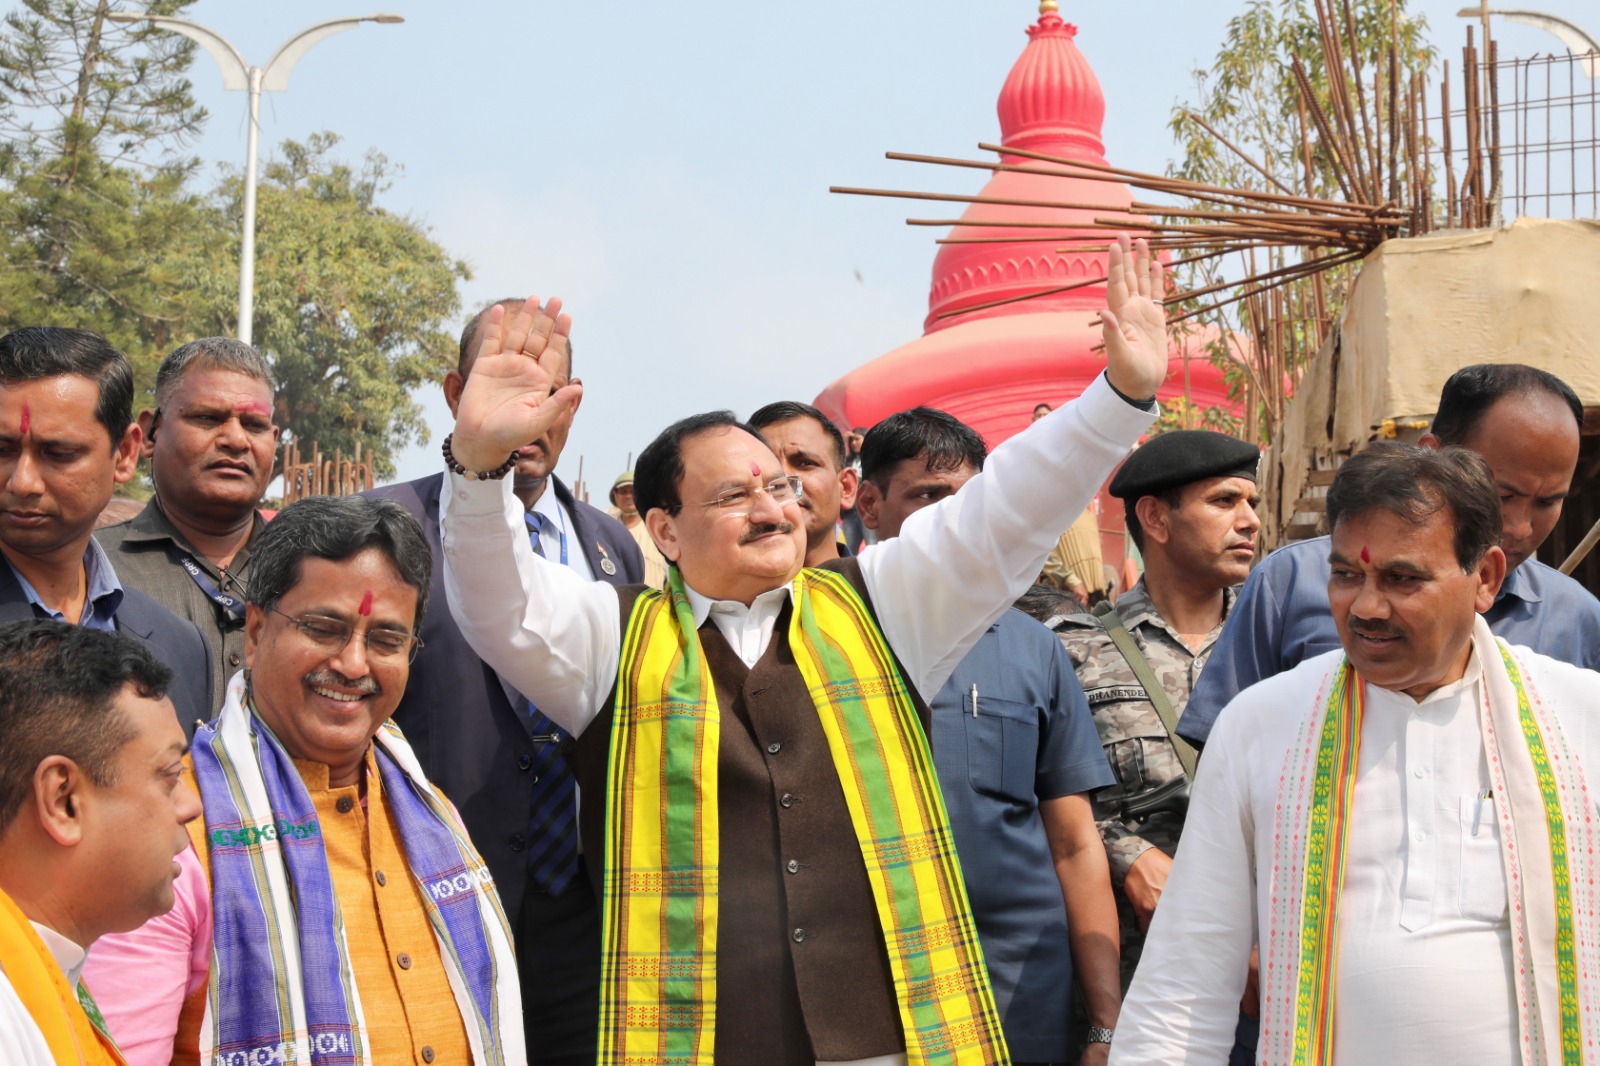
(481, 475)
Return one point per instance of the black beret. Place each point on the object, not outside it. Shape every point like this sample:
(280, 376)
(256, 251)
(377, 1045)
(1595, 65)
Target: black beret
(1180, 457)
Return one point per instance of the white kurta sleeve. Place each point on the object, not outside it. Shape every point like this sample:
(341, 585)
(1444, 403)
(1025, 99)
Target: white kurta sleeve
(553, 636)
(1183, 1005)
(956, 566)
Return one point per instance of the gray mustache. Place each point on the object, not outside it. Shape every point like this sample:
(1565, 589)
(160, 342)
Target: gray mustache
(328, 678)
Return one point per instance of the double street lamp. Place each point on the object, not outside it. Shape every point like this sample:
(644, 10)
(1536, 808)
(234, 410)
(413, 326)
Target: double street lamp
(236, 75)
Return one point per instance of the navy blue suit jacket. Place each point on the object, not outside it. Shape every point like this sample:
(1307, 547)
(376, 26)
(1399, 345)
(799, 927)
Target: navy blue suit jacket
(470, 740)
(176, 642)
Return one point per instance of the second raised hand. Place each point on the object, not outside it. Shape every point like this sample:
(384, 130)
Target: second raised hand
(507, 399)
(1134, 323)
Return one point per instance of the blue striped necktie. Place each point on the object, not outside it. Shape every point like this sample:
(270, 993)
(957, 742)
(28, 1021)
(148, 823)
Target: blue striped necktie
(553, 841)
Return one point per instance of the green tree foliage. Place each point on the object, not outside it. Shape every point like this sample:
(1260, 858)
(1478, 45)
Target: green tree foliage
(97, 223)
(355, 306)
(1250, 97)
(104, 225)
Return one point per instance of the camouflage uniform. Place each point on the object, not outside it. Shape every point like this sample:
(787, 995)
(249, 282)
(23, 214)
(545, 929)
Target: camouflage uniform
(1135, 741)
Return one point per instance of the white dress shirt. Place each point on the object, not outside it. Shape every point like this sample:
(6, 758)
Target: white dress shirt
(1424, 960)
(954, 568)
(21, 1041)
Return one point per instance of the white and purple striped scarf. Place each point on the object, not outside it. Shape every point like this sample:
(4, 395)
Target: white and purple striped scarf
(281, 987)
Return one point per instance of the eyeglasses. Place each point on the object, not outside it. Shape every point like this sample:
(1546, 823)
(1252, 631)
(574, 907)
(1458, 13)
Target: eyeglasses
(780, 490)
(332, 634)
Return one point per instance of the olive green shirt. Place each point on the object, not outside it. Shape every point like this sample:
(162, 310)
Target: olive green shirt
(141, 551)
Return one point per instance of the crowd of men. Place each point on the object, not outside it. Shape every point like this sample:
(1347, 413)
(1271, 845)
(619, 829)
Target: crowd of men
(466, 770)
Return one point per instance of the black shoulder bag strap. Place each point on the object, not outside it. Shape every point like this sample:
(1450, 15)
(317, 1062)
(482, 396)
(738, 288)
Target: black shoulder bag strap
(1147, 677)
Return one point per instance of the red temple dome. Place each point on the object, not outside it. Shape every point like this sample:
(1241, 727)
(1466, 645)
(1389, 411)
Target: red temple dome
(990, 365)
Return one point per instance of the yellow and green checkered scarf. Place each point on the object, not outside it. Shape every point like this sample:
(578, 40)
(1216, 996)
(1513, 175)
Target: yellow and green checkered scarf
(659, 986)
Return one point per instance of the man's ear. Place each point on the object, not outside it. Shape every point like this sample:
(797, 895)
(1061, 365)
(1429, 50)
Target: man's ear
(849, 487)
(128, 450)
(664, 531)
(1428, 440)
(147, 426)
(453, 384)
(1153, 519)
(254, 619)
(58, 800)
(1491, 572)
(868, 499)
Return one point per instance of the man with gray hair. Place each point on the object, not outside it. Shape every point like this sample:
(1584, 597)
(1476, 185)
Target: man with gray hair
(211, 441)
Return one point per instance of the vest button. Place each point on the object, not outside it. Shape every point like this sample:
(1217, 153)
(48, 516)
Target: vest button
(525, 762)
(403, 961)
(793, 867)
(427, 1053)
(774, 747)
(786, 800)
(518, 842)
(381, 878)
(799, 935)
(233, 658)
(344, 804)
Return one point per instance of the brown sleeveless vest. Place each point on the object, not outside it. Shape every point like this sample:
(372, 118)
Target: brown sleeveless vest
(802, 973)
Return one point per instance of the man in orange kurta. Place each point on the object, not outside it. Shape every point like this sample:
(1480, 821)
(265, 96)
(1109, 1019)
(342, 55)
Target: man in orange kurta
(310, 786)
(91, 817)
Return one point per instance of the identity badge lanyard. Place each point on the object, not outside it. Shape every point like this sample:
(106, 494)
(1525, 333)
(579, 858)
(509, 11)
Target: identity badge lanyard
(230, 604)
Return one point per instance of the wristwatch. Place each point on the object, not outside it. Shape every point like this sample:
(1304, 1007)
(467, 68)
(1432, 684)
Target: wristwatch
(1099, 1034)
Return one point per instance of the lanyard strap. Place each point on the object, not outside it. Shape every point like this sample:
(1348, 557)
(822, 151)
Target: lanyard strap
(232, 605)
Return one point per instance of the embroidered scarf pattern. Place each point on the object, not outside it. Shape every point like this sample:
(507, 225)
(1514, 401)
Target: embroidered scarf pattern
(281, 985)
(1549, 844)
(659, 924)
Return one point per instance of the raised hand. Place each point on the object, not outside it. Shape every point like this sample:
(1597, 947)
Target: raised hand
(1134, 324)
(507, 400)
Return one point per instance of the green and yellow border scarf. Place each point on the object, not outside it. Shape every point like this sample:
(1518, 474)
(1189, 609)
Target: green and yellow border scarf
(1550, 847)
(659, 984)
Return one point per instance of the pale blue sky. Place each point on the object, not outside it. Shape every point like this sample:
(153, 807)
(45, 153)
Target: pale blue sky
(664, 167)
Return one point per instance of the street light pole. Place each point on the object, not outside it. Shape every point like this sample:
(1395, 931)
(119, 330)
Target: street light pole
(236, 75)
(1579, 41)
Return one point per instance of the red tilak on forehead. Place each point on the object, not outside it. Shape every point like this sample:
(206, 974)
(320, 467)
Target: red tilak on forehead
(755, 468)
(1366, 556)
(251, 407)
(27, 419)
(366, 604)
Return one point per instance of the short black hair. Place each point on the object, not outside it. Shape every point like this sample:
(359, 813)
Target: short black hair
(474, 326)
(1470, 392)
(1416, 483)
(789, 410)
(942, 440)
(36, 352)
(337, 527)
(1172, 496)
(58, 688)
(658, 475)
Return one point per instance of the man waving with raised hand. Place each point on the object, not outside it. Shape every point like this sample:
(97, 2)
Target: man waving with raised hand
(753, 736)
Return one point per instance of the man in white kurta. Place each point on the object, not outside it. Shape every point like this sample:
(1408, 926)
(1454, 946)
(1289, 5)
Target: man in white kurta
(729, 522)
(1425, 959)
